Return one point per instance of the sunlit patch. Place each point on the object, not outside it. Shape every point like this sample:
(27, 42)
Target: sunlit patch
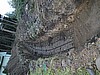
(5, 7)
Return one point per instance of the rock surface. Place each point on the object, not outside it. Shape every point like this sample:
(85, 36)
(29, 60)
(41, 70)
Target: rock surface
(98, 63)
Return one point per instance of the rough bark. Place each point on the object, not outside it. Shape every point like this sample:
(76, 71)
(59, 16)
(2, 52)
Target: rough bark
(53, 23)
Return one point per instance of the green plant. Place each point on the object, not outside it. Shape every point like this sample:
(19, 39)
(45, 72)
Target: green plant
(43, 70)
(18, 5)
(51, 71)
(97, 72)
(82, 71)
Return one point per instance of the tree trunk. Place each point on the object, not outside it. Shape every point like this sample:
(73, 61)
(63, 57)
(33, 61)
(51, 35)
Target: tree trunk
(62, 20)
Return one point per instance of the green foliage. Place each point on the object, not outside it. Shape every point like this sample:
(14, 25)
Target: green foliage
(18, 5)
(43, 70)
(21, 6)
(97, 72)
(11, 15)
(82, 71)
(51, 71)
(67, 71)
